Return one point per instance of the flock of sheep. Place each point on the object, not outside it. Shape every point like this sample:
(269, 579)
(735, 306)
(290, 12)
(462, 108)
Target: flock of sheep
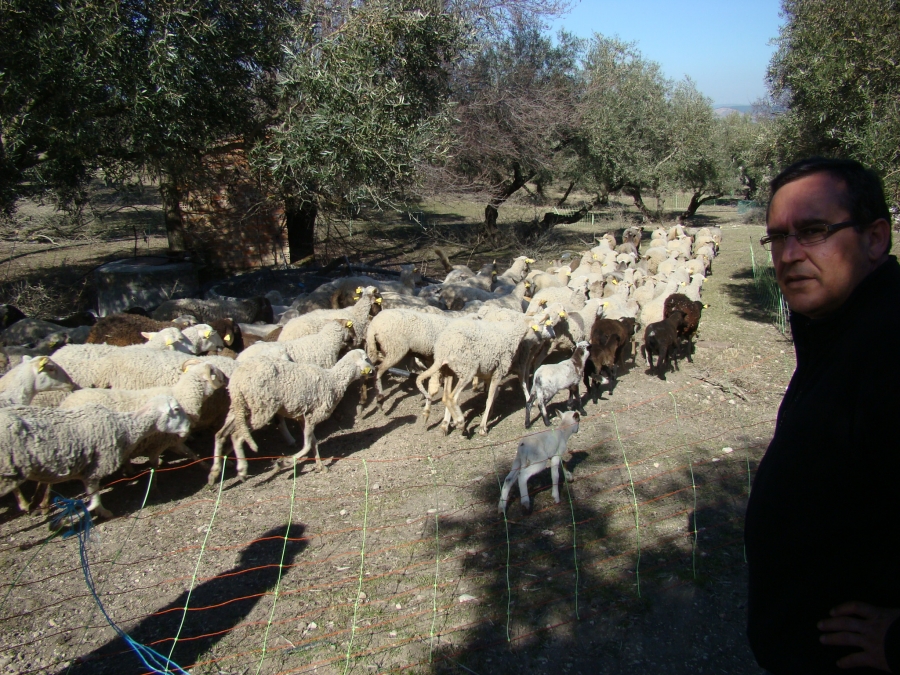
(135, 384)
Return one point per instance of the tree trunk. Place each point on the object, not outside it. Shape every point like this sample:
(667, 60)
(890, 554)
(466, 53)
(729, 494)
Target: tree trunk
(300, 218)
(696, 200)
(635, 193)
(171, 199)
(490, 211)
(562, 200)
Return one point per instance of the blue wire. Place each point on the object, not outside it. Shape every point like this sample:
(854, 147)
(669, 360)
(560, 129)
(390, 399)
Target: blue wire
(79, 525)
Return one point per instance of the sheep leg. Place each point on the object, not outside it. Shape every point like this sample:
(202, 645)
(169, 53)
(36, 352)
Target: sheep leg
(492, 392)
(237, 442)
(389, 361)
(554, 474)
(434, 383)
(92, 487)
(543, 406)
(575, 390)
(507, 485)
(285, 433)
(526, 473)
(226, 430)
(529, 403)
(452, 411)
(24, 504)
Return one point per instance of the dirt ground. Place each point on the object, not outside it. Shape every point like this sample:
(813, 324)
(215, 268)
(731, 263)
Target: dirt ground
(396, 559)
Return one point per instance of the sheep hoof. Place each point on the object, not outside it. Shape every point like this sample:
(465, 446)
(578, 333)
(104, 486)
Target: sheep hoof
(482, 431)
(104, 513)
(445, 428)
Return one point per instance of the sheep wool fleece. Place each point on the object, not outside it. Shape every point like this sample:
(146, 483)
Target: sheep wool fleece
(821, 526)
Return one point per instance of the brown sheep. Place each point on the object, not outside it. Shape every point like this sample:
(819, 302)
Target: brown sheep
(662, 339)
(692, 310)
(608, 339)
(123, 330)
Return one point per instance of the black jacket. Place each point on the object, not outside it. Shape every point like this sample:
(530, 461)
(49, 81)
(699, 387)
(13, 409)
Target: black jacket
(823, 519)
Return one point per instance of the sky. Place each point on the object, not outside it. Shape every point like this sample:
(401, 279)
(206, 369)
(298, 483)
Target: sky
(723, 45)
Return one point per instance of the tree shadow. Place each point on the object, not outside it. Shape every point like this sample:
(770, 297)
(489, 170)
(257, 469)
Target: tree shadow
(539, 612)
(216, 606)
(743, 295)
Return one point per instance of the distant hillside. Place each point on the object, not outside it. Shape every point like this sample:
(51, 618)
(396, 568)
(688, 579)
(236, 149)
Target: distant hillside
(721, 109)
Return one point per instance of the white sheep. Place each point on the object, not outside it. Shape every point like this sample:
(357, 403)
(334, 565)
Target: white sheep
(394, 333)
(483, 349)
(81, 361)
(262, 388)
(553, 378)
(89, 443)
(203, 338)
(320, 349)
(367, 304)
(534, 454)
(195, 386)
(32, 376)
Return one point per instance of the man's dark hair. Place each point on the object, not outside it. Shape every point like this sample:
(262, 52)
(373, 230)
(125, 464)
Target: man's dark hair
(864, 196)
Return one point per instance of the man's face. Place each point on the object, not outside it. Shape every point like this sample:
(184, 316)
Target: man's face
(816, 279)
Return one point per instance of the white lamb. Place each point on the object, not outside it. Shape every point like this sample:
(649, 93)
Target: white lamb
(262, 388)
(553, 378)
(89, 443)
(534, 454)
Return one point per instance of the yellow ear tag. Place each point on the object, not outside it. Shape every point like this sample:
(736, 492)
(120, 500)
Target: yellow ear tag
(415, 269)
(594, 256)
(548, 322)
(170, 342)
(366, 370)
(349, 324)
(42, 364)
(562, 315)
(207, 334)
(529, 260)
(359, 289)
(542, 302)
(615, 283)
(378, 300)
(569, 273)
(535, 328)
(356, 297)
(228, 339)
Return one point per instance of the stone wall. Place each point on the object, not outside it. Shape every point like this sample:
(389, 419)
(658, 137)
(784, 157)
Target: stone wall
(229, 223)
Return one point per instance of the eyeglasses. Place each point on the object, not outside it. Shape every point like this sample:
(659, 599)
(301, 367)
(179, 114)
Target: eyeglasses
(808, 236)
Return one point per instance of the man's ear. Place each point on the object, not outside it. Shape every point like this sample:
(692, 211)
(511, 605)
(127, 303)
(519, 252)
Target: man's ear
(877, 239)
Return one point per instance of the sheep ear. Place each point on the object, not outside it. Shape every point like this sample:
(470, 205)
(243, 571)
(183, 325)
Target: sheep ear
(148, 336)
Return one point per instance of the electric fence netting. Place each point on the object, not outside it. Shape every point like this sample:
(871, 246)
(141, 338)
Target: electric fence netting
(397, 560)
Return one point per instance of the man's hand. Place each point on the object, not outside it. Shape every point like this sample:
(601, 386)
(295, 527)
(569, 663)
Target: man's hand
(856, 624)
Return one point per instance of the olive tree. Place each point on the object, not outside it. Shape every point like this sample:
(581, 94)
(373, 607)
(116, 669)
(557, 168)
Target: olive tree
(515, 116)
(124, 87)
(362, 98)
(836, 73)
(624, 118)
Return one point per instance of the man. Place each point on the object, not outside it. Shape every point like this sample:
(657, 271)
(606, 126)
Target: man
(823, 520)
